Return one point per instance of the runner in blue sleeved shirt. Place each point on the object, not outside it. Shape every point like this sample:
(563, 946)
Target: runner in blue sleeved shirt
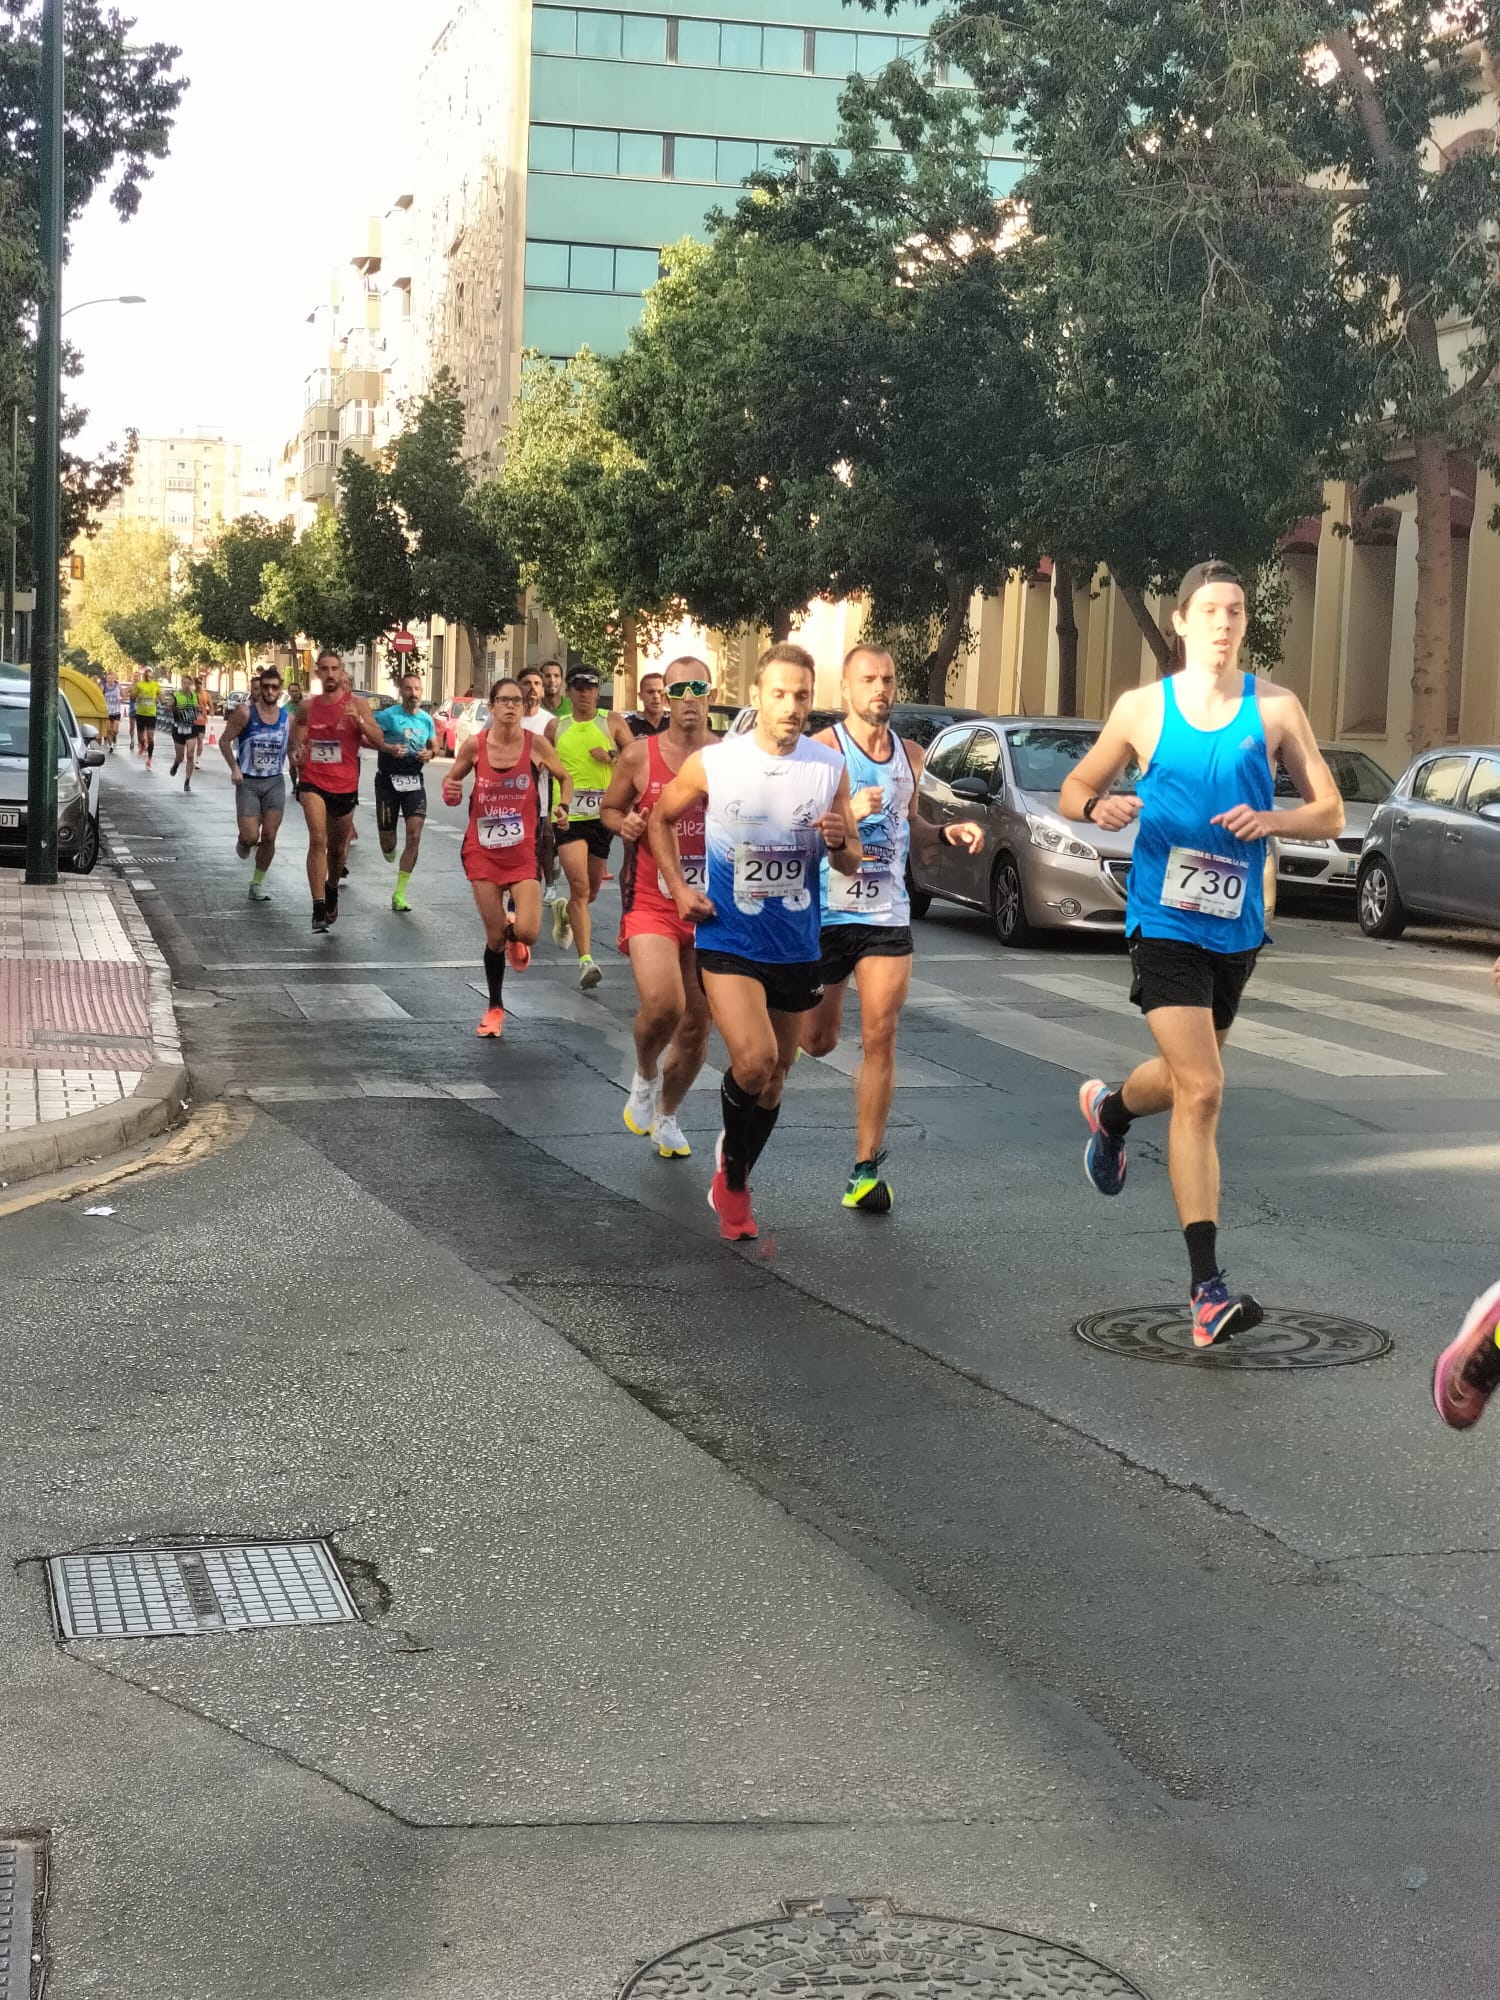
(400, 787)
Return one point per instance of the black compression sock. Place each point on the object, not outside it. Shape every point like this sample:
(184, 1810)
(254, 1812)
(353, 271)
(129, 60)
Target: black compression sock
(320, 908)
(1203, 1249)
(331, 894)
(762, 1124)
(1114, 1119)
(740, 1128)
(494, 974)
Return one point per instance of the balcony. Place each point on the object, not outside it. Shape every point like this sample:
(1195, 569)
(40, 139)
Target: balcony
(317, 482)
(358, 384)
(319, 408)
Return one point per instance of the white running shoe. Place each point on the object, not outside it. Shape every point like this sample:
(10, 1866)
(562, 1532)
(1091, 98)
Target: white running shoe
(640, 1106)
(589, 974)
(259, 893)
(668, 1134)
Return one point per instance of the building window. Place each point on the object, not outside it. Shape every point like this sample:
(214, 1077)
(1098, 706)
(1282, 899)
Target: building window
(704, 44)
(784, 48)
(599, 35)
(641, 155)
(834, 52)
(739, 45)
(698, 43)
(737, 160)
(636, 270)
(645, 38)
(666, 156)
(554, 31)
(551, 149)
(547, 266)
(694, 159)
(596, 152)
(591, 267)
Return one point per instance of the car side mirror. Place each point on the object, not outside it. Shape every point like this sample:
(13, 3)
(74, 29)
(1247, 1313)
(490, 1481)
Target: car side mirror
(973, 791)
(1491, 810)
(88, 732)
(93, 757)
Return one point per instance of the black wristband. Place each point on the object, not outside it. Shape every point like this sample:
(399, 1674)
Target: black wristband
(1088, 811)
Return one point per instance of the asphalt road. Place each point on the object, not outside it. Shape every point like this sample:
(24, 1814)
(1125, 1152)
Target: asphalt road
(697, 1578)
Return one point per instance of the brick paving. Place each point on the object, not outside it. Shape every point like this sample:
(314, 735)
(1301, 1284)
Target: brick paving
(77, 1025)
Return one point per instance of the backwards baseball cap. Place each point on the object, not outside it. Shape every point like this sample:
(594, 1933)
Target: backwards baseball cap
(583, 677)
(1212, 571)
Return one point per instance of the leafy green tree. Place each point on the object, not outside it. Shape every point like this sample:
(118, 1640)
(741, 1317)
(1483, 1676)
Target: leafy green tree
(375, 554)
(307, 590)
(122, 95)
(556, 504)
(459, 571)
(123, 608)
(225, 587)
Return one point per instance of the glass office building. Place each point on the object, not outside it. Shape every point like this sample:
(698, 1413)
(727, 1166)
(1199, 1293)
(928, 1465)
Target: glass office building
(638, 123)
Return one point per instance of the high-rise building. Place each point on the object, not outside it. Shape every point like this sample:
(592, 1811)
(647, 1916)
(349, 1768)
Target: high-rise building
(192, 484)
(564, 146)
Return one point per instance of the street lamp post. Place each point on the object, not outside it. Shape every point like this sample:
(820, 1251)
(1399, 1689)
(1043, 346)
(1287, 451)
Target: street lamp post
(41, 787)
(8, 614)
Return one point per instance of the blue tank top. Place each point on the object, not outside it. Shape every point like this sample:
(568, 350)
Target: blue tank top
(877, 893)
(762, 846)
(261, 746)
(1190, 880)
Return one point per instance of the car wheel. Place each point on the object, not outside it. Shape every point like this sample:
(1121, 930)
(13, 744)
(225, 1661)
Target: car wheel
(82, 863)
(919, 899)
(1008, 904)
(1382, 914)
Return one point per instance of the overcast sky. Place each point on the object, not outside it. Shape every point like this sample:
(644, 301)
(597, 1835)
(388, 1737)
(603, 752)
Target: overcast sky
(291, 131)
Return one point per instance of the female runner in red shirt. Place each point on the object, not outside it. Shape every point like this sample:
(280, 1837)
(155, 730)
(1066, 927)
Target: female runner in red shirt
(499, 850)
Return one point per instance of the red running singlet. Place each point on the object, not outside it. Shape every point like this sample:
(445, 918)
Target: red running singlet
(333, 740)
(500, 840)
(646, 908)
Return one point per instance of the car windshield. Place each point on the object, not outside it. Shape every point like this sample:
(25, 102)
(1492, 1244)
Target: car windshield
(15, 719)
(920, 725)
(1043, 757)
(1360, 780)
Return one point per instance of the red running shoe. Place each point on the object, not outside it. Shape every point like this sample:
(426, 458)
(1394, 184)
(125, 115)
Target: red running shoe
(493, 1023)
(1468, 1368)
(517, 955)
(732, 1208)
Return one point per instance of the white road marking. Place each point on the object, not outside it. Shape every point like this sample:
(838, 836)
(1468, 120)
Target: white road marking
(1414, 1026)
(1416, 988)
(1027, 1034)
(1254, 1036)
(346, 1003)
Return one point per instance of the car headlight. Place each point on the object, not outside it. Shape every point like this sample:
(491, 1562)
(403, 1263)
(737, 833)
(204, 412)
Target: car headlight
(69, 787)
(1059, 838)
(1302, 840)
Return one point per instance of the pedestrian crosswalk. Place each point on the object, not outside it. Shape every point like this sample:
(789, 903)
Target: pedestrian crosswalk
(1306, 1022)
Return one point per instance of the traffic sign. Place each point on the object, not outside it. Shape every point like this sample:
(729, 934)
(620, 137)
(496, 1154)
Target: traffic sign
(403, 642)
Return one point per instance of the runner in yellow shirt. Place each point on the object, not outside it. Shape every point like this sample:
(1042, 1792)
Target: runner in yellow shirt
(147, 696)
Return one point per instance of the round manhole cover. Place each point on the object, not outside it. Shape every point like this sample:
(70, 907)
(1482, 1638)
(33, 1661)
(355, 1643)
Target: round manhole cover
(865, 1957)
(1285, 1339)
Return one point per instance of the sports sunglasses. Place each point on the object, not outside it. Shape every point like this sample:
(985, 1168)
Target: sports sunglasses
(677, 689)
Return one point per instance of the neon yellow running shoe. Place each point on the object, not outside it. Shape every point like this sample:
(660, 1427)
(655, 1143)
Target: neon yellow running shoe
(866, 1190)
(399, 902)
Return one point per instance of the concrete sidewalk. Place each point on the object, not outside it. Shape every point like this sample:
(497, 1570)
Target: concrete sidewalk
(90, 1059)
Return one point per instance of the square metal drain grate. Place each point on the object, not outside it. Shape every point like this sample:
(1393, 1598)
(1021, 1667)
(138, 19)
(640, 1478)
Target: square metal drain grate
(232, 1587)
(20, 1890)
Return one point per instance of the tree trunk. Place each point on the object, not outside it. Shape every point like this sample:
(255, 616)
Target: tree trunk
(781, 627)
(1433, 644)
(627, 679)
(1164, 648)
(475, 641)
(1067, 636)
(959, 593)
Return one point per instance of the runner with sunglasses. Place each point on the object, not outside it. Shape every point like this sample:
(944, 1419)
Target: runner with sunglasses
(499, 850)
(254, 746)
(587, 751)
(866, 932)
(671, 1025)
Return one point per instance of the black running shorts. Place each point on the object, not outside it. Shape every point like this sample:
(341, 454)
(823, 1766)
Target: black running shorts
(1168, 973)
(398, 801)
(593, 831)
(844, 945)
(337, 805)
(790, 989)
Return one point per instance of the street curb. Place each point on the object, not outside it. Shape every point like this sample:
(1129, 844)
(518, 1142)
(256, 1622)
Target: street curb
(156, 1104)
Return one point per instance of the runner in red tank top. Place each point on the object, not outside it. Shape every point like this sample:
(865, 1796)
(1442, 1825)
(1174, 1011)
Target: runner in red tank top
(326, 734)
(673, 1018)
(499, 851)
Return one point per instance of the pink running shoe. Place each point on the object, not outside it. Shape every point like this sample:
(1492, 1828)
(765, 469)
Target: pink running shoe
(732, 1208)
(517, 955)
(1468, 1368)
(493, 1024)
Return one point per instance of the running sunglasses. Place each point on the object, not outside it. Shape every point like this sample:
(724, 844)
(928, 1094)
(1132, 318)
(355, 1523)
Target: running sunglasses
(677, 689)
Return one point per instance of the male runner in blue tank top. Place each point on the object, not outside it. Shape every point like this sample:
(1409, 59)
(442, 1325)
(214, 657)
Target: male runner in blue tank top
(773, 804)
(867, 915)
(1207, 739)
(253, 743)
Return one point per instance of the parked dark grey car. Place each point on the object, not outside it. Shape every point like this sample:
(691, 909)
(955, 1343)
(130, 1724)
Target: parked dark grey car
(1433, 849)
(1037, 871)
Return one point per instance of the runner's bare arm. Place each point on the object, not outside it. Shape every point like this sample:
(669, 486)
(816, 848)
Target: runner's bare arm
(626, 783)
(1093, 774)
(297, 737)
(228, 733)
(1292, 739)
(686, 790)
(549, 760)
(925, 834)
(619, 729)
(459, 769)
(369, 728)
(840, 831)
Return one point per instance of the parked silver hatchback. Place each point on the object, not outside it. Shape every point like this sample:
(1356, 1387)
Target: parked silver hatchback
(1433, 848)
(1037, 871)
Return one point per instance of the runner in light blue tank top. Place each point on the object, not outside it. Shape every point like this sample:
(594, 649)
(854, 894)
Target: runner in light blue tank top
(877, 894)
(1189, 879)
(1207, 739)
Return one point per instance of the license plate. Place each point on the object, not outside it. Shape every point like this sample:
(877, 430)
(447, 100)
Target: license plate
(10, 819)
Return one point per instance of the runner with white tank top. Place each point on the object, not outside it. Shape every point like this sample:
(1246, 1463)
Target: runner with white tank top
(774, 803)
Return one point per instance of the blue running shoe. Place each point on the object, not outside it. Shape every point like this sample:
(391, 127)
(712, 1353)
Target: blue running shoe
(1103, 1157)
(1217, 1313)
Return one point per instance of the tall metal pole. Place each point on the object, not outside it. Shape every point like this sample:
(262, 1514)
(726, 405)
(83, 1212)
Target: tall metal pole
(8, 646)
(46, 526)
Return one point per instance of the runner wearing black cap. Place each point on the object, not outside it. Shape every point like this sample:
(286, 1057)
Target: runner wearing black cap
(587, 751)
(1207, 740)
